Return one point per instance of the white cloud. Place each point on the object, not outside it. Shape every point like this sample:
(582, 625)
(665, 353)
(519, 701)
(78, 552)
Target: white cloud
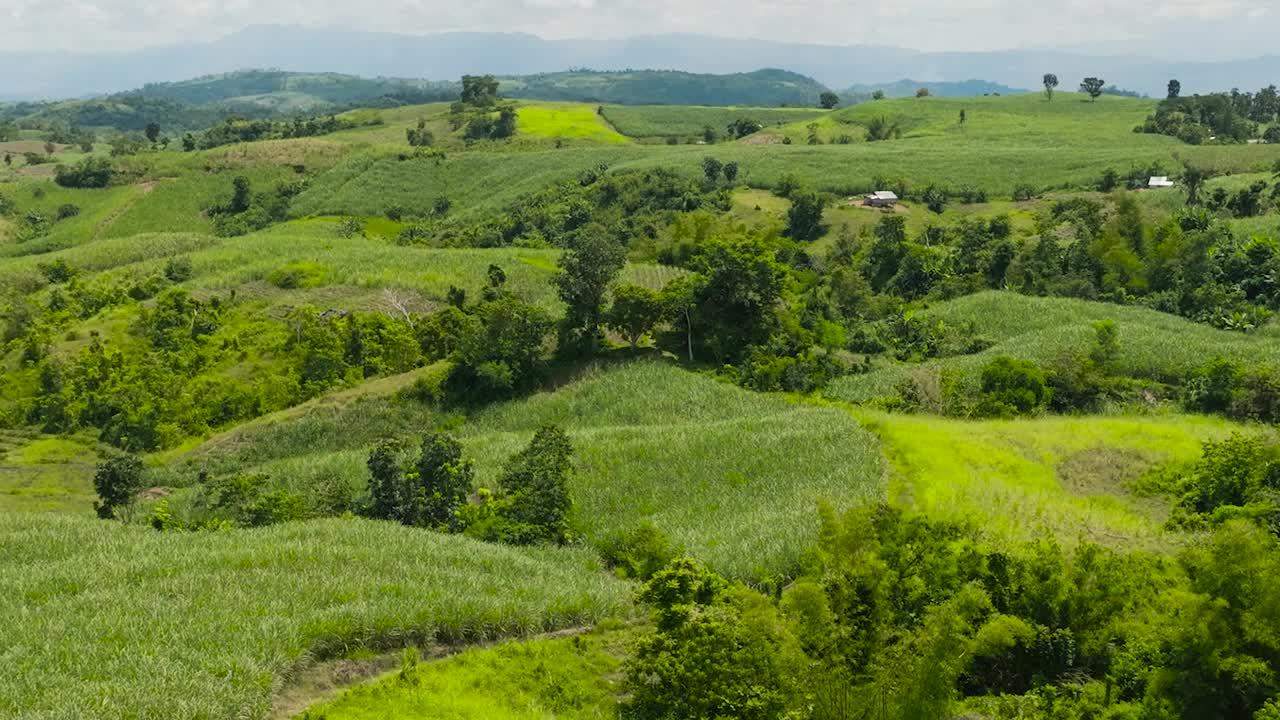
(924, 24)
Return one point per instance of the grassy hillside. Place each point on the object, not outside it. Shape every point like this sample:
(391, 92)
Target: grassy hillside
(1152, 344)
(733, 477)
(208, 624)
(669, 87)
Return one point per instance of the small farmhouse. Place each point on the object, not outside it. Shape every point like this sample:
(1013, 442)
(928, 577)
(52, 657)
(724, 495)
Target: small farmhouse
(881, 198)
(1159, 181)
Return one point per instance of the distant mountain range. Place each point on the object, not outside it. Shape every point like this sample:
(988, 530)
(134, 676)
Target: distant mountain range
(29, 75)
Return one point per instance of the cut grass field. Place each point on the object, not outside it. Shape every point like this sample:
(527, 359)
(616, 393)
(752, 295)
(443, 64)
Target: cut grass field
(732, 477)
(1067, 477)
(109, 621)
(567, 121)
(1152, 344)
(573, 678)
(43, 473)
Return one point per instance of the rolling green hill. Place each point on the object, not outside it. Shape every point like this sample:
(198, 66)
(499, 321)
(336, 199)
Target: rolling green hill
(768, 87)
(210, 624)
(1152, 344)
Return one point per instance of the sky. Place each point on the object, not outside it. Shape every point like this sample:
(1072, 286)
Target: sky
(1190, 29)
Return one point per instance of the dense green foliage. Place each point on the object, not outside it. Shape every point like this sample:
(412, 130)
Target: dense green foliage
(900, 617)
(666, 87)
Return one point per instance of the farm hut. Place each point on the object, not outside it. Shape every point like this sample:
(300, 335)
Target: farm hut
(881, 198)
(1159, 181)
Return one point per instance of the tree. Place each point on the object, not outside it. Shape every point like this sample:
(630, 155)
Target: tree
(1175, 89)
(877, 95)
(743, 127)
(1050, 83)
(188, 142)
(1092, 87)
(804, 217)
(586, 271)
(117, 482)
(935, 198)
(709, 135)
(241, 195)
(50, 148)
(536, 483)
(152, 131)
(828, 100)
(732, 295)
(730, 171)
(505, 127)
(963, 117)
(635, 310)
(711, 167)
(922, 92)
(444, 480)
(90, 172)
(479, 91)
(8, 159)
(1194, 178)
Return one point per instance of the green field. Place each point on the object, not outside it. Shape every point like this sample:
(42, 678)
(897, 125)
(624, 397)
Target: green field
(1152, 344)
(566, 121)
(1067, 477)
(106, 620)
(732, 477)
(568, 678)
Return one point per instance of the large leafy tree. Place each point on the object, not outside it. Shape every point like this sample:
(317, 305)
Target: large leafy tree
(1092, 87)
(731, 302)
(586, 271)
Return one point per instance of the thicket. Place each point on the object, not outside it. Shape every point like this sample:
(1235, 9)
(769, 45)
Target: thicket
(901, 617)
(242, 129)
(1221, 117)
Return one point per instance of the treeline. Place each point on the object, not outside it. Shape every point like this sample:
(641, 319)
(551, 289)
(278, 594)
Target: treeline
(1222, 117)
(763, 88)
(240, 129)
(896, 617)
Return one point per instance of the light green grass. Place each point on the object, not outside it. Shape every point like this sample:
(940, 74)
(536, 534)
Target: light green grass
(1019, 479)
(40, 473)
(97, 208)
(179, 204)
(567, 121)
(1152, 344)
(106, 621)
(573, 678)
(688, 121)
(731, 476)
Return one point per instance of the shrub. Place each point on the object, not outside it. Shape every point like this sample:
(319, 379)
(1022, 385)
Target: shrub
(117, 482)
(88, 173)
(68, 210)
(1024, 192)
(638, 553)
(302, 274)
(178, 269)
(1012, 387)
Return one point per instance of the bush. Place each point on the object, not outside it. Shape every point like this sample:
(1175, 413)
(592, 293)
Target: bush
(88, 173)
(1023, 192)
(638, 553)
(117, 482)
(1012, 387)
(68, 210)
(302, 274)
(178, 269)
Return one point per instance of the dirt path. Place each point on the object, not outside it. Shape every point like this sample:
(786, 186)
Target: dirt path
(105, 224)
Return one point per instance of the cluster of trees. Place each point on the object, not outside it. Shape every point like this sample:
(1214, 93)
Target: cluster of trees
(246, 211)
(91, 172)
(479, 111)
(1223, 117)
(238, 129)
(434, 489)
(900, 617)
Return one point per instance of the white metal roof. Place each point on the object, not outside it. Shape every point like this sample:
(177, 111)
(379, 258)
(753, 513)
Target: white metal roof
(883, 195)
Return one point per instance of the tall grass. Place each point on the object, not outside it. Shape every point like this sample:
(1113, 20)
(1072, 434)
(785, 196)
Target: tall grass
(689, 121)
(108, 621)
(569, 121)
(1152, 343)
(733, 477)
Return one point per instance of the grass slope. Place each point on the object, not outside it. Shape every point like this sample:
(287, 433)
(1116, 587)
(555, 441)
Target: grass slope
(689, 121)
(567, 121)
(108, 621)
(1067, 476)
(566, 678)
(733, 477)
(1153, 344)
